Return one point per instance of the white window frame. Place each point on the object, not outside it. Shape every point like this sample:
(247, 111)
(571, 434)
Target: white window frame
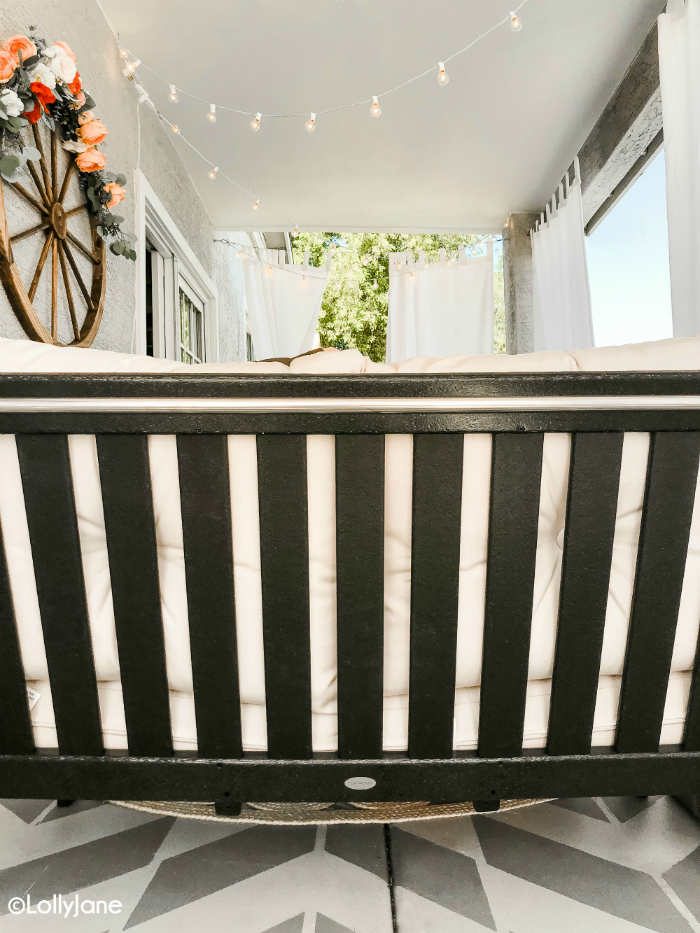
(172, 260)
(185, 288)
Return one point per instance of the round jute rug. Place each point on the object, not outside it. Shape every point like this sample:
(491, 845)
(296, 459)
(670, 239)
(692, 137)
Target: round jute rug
(291, 814)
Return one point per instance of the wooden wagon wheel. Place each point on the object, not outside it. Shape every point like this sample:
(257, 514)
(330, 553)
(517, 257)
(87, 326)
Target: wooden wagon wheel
(84, 303)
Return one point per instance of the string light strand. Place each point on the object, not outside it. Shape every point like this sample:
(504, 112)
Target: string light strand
(510, 19)
(302, 270)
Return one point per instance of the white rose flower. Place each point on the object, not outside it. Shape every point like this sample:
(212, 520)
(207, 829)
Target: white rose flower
(43, 74)
(12, 102)
(75, 145)
(60, 63)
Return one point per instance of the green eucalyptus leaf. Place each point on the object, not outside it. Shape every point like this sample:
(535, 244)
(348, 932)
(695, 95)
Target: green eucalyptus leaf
(132, 255)
(15, 124)
(31, 62)
(121, 180)
(31, 154)
(116, 219)
(9, 164)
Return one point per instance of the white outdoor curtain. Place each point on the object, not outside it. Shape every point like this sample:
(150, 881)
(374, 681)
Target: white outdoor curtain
(284, 302)
(441, 308)
(562, 298)
(679, 65)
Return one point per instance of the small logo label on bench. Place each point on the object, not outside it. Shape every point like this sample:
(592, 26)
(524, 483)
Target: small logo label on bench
(360, 783)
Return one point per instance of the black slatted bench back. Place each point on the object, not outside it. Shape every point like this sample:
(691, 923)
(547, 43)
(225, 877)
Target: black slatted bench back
(438, 479)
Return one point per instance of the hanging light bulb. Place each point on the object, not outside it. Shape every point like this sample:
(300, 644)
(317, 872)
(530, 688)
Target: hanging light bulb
(173, 93)
(239, 254)
(398, 265)
(269, 270)
(515, 23)
(123, 53)
(375, 109)
(256, 206)
(211, 116)
(412, 276)
(295, 231)
(303, 280)
(374, 284)
(176, 129)
(443, 77)
(132, 66)
(366, 259)
(255, 124)
(311, 123)
(213, 172)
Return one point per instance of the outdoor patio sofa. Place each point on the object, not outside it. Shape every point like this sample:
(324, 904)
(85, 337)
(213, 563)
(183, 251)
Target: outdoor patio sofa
(474, 578)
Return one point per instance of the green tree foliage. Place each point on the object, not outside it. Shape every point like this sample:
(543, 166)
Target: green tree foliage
(499, 302)
(355, 302)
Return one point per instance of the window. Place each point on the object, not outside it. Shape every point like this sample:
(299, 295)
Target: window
(177, 307)
(628, 265)
(191, 336)
(149, 299)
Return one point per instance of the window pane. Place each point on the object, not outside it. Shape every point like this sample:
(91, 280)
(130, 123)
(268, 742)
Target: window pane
(197, 335)
(184, 320)
(628, 265)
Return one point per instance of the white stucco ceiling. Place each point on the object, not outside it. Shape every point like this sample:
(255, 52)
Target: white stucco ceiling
(496, 139)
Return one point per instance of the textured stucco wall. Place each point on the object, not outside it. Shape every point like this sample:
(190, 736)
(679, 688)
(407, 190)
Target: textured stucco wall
(81, 23)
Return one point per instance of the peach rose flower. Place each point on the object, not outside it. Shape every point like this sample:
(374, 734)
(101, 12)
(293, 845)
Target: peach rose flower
(17, 44)
(93, 133)
(67, 49)
(86, 117)
(7, 66)
(91, 160)
(117, 192)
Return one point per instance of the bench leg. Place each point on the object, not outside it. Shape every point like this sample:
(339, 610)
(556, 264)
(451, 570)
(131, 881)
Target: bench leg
(64, 803)
(486, 806)
(227, 807)
(691, 802)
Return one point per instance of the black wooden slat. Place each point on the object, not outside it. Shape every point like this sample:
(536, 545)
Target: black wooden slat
(210, 385)
(15, 725)
(347, 422)
(516, 469)
(133, 568)
(437, 499)
(663, 544)
(360, 588)
(284, 556)
(594, 479)
(58, 570)
(205, 495)
(691, 732)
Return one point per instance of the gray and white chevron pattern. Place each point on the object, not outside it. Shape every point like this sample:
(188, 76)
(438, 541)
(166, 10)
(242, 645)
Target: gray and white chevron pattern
(590, 865)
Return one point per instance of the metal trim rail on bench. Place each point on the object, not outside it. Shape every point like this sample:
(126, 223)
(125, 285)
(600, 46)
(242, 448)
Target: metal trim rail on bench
(331, 405)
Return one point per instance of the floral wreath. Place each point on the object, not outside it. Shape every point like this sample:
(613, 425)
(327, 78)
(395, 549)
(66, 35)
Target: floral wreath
(41, 82)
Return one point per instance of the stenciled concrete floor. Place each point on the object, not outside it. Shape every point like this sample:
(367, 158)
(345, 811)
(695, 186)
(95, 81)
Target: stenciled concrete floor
(590, 865)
